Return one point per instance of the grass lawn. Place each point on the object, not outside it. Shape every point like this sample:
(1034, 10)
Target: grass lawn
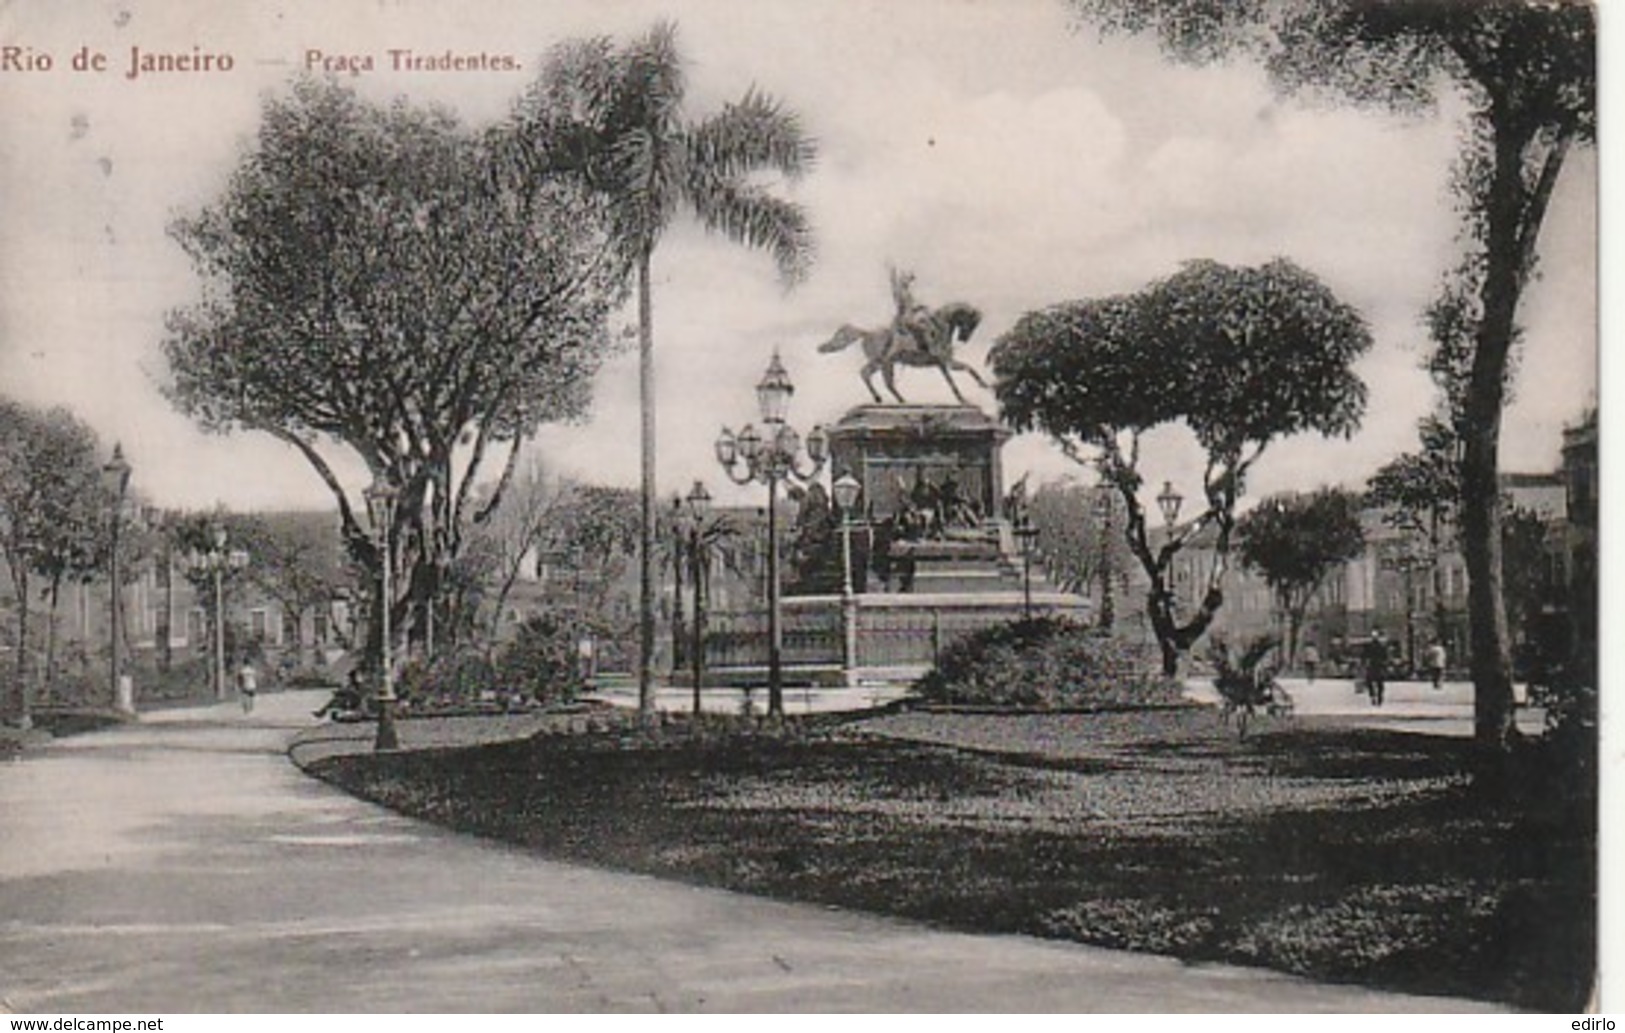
(1331, 851)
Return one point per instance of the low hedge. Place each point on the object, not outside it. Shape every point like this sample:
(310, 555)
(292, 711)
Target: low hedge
(1046, 663)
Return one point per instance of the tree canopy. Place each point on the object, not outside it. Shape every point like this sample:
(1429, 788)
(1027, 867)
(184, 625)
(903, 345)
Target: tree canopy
(1527, 70)
(1078, 542)
(53, 511)
(1240, 355)
(383, 280)
(1295, 541)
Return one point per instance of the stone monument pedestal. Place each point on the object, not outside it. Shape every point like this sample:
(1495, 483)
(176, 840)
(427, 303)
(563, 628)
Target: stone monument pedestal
(932, 554)
(893, 449)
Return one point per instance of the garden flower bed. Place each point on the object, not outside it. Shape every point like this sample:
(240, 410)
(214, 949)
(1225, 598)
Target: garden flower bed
(1329, 851)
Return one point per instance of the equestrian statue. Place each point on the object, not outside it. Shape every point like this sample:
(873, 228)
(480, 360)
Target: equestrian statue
(917, 336)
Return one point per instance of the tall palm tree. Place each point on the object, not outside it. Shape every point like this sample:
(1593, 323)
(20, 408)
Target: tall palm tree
(612, 116)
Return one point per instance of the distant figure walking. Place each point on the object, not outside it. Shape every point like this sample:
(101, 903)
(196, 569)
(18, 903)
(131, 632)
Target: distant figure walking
(1375, 660)
(1311, 660)
(248, 685)
(1435, 662)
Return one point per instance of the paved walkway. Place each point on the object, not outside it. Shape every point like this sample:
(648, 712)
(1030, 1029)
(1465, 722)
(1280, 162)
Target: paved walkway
(1413, 706)
(184, 865)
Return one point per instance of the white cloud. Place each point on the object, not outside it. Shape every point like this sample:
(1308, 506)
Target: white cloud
(1010, 163)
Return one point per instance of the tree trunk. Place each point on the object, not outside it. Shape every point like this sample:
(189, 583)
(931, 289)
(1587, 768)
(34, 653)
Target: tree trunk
(166, 587)
(646, 538)
(24, 711)
(1159, 606)
(1491, 659)
(1294, 631)
(1441, 626)
(1172, 637)
(50, 637)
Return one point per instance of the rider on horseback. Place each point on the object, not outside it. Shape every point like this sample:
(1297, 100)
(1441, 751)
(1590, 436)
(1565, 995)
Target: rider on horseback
(917, 336)
(913, 320)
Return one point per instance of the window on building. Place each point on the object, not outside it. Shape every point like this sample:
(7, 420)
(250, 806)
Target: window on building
(290, 629)
(259, 624)
(321, 631)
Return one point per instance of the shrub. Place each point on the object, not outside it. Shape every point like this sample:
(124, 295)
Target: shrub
(308, 677)
(189, 680)
(460, 676)
(1563, 761)
(541, 662)
(1046, 663)
(1246, 679)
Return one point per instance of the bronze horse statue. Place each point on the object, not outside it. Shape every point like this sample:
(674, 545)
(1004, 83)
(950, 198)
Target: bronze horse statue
(884, 348)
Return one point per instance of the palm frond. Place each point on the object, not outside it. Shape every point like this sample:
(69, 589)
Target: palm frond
(651, 82)
(751, 215)
(752, 134)
(580, 82)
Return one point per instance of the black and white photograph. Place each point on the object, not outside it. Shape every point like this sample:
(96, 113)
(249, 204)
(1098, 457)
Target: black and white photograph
(801, 506)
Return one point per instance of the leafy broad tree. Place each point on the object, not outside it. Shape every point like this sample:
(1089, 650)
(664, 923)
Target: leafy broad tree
(695, 545)
(1079, 542)
(1241, 356)
(613, 117)
(378, 281)
(1527, 72)
(1294, 541)
(53, 517)
(1420, 495)
(500, 548)
(298, 561)
(1526, 550)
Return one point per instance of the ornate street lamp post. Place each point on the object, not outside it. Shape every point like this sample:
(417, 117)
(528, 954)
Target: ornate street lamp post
(381, 496)
(215, 563)
(1026, 531)
(117, 472)
(846, 490)
(1169, 502)
(698, 501)
(158, 521)
(770, 456)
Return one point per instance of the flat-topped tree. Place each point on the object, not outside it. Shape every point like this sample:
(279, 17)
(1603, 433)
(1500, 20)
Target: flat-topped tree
(1239, 355)
(375, 282)
(1527, 71)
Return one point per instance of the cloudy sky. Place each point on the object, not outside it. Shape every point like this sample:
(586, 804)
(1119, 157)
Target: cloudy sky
(1009, 161)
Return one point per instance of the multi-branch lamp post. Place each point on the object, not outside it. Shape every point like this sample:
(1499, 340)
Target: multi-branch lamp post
(215, 563)
(769, 456)
(846, 490)
(117, 472)
(381, 497)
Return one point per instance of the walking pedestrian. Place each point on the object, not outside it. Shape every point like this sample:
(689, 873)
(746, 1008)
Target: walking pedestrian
(1375, 660)
(248, 684)
(1435, 658)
